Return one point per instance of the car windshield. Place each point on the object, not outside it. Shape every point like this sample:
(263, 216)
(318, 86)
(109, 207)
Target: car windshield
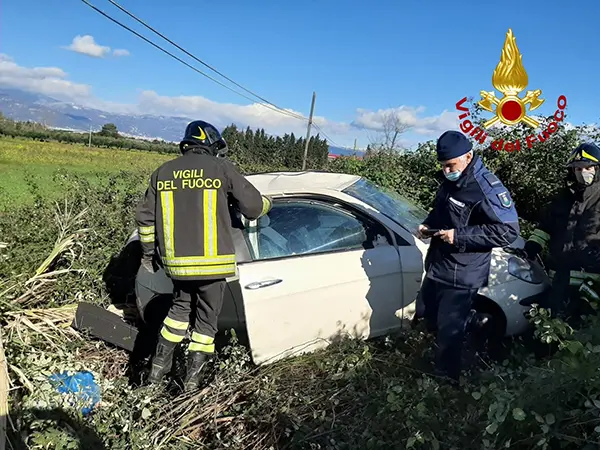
(391, 204)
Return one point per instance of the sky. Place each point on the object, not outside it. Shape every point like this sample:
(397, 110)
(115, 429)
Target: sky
(414, 59)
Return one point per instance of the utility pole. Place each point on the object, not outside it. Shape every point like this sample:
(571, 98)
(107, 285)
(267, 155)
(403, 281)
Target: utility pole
(310, 119)
(354, 144)
(90, 141)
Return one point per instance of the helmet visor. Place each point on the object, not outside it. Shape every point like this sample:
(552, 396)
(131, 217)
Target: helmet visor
(580, 158)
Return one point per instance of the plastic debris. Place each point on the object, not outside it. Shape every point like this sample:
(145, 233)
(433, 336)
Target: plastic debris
(81, 387)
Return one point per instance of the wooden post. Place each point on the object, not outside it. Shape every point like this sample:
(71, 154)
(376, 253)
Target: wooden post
(310, 119)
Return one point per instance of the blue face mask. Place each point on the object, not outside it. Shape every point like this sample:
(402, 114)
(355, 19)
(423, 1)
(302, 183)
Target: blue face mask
(453, 176)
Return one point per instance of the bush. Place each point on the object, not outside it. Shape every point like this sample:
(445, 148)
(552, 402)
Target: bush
(354, 394)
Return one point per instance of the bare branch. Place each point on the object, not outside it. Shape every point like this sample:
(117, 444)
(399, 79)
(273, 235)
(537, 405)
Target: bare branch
(392, 129)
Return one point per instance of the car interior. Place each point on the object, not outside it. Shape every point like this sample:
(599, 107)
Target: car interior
(304, 227)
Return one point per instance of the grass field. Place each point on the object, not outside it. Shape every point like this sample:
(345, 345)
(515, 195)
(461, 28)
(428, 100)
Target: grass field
(352, 395)
(27, 167)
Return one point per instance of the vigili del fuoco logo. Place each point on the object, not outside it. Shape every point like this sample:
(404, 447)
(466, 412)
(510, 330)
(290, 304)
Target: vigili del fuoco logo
(510, 79)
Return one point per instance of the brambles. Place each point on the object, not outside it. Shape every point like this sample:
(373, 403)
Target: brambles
(354, 394)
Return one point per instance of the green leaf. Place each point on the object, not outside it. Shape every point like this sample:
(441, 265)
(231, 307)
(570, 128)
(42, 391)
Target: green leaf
(519, 414)
(574, 346)
(476, 395)
(550, 419)
(411, 442)
(146, 413)
(492, 428)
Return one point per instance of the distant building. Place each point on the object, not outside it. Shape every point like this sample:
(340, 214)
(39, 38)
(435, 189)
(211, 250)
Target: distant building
(331, 156)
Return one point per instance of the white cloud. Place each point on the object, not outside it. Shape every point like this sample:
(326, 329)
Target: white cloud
(54, 82)
(87, 46)
(409, 116)
(121, 52)
(44, 80)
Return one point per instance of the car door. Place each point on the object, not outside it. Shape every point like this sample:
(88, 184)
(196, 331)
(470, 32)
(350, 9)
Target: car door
(318, 271)
(412, 265)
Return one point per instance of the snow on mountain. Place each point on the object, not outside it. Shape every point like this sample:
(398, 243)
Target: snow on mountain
(23, 106)
(20, 105)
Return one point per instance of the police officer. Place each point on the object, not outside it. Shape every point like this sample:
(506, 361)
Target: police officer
(184, 225)
(473, 213)
(569, 232)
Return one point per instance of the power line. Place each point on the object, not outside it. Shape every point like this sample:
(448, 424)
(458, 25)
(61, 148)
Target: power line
(266, 104)
(276, 109)
(325, 134)
(133, 16)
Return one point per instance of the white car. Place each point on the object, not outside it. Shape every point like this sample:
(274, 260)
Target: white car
(337, 255)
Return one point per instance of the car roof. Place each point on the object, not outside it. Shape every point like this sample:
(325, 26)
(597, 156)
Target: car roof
(307, 181)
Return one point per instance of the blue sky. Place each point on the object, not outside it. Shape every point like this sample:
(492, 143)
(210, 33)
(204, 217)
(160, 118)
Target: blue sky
(360, 58)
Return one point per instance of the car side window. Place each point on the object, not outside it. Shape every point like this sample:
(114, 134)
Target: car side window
(307, 227)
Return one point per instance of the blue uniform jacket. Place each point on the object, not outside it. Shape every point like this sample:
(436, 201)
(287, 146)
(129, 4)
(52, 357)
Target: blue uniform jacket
(481, 211)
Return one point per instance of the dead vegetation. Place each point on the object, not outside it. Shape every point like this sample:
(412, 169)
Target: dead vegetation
(354, 395)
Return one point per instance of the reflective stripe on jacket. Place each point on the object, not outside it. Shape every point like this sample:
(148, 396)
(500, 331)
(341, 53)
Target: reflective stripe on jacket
(185, 215)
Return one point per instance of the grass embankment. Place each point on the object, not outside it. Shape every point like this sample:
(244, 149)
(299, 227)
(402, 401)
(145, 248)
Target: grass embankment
(353, 395)
(30, 168)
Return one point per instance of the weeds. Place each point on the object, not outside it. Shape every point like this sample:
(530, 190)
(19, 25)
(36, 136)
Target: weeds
(353, 395)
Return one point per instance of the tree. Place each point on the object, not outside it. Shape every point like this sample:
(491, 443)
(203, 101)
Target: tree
(109, 130)
(392, 129)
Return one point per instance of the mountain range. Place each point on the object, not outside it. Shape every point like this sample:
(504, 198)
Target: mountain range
(26, 106)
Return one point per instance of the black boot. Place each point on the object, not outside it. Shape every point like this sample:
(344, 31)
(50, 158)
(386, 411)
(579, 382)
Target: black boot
(195, 364)
(162, 360)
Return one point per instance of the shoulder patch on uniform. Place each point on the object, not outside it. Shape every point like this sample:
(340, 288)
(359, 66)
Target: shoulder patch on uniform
(491, 179)
(505, 199)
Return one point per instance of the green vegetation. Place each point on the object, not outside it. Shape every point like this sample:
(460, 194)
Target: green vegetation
(31, 168)
(353, 395)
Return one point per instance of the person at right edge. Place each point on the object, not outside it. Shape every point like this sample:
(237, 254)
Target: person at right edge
(185, 215)
(474, 213)
(568, 235)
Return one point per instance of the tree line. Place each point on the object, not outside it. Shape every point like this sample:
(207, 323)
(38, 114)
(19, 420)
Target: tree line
(532, 175)
(247, 147)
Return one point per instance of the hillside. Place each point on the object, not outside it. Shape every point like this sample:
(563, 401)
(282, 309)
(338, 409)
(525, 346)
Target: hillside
(24, 106)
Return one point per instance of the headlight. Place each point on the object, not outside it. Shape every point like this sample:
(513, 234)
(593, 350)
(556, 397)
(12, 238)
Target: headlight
(523, 270)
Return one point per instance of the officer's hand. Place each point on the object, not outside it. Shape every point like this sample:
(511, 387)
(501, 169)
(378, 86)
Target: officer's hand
(532, 249)
(420, 230)
(446, 236)
(148, 264)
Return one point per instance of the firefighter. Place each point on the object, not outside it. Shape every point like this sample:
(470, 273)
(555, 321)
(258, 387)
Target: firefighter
(568, 235)
(184, 226)
(473, 213)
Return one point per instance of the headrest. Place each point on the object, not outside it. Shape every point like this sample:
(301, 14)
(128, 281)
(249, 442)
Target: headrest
(264, 222)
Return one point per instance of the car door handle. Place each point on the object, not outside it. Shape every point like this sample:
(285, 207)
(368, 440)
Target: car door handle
(262, 284)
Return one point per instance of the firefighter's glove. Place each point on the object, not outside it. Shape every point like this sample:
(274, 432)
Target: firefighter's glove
(267, 205)
(148, 263)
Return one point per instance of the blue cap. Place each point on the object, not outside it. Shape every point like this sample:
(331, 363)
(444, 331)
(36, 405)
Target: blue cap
(452, 144)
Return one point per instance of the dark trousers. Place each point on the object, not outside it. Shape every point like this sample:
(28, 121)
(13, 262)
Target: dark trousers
(199, 302)
(446, 310)
(558, 299)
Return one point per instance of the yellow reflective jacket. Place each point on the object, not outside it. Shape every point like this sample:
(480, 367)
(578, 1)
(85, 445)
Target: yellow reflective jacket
(185, 215)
